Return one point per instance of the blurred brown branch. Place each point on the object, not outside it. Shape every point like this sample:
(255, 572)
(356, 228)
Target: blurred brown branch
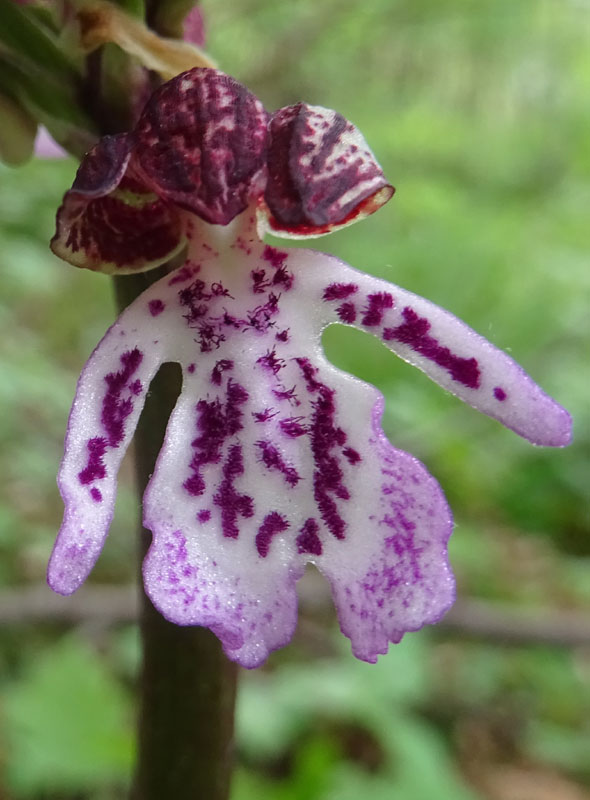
(468, 618)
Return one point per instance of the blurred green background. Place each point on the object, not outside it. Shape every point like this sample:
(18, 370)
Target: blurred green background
(479, 113)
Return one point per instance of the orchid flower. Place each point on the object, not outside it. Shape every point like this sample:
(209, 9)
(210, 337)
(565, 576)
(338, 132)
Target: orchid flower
(272, 457)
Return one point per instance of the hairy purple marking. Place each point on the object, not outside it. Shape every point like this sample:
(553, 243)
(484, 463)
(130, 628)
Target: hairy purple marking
(156, 307)
(136, 387)
(183, 274)
(220, 367)
(378, 304)
(115, 408)
(292, 427)
(191, 368)
(272, 459)
(325, 438)
(96, 494)
(287, 394)
(339, 291)
(265, 415)
(231, 503)
(272, 524)
(308, 540)
(414, 333)
(500, 393)
(204, 515)
(271, 362)
(260, 318)
(347, 312)
(259, 281)
(282, 336)
(95, 468)
(215, 423)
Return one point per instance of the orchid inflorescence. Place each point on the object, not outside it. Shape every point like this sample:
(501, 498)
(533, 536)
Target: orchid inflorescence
(272, 457)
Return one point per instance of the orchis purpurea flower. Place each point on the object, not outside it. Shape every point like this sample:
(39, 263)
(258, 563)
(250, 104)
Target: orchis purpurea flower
(272, 457)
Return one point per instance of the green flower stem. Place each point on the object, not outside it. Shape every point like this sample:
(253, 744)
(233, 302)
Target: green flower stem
(187, 686)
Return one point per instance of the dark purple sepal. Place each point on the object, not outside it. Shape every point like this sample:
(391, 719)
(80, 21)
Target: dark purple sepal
(201, 144)
(321, 173)
(110, 221)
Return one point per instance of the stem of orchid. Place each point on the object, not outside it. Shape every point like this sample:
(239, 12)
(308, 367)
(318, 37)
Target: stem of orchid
(187, 686)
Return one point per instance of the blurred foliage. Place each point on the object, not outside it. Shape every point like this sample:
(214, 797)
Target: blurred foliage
(478, 112)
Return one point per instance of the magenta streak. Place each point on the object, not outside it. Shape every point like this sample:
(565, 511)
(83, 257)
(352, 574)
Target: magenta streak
(414, 333)
(325, 437)
(272, 459)
(215, 424)
(308, 540)
(272, 524)
(116, 409)
(228, 499)
(114, 412)
(95, 468)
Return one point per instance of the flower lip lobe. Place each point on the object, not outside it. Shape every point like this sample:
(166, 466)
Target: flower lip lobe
(201, 144)
(322, 173)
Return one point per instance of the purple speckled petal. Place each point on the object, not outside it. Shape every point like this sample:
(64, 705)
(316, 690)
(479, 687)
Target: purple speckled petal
(109, 398)
(109, 220)
(443, 347)
(201, 144)
(321, 174)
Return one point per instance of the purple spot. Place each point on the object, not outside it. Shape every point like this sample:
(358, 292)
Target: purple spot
(272, 524)
(272, 459)
(284, 278)
(275, 258)
(260, 318)
(339, 291)
(288, 395)
(135, 388)
(190, 368)
(259, 281)
(352, 455)
(271, 362)
(264, 416)
(500, 394)
(219, 368)
(414, 333)
(292, 427)
(347, 312)
(204, 515)
(156, 307)
(231, 503)
(96, 494)
(115, 408)
(282, 336)
(308, 540)
(378, 304)
(95, 468)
